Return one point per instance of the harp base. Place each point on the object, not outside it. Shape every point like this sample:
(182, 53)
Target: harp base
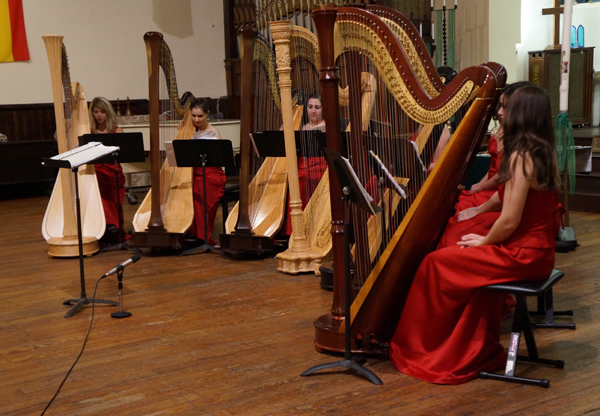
(245, 244)
(292, 262)
(69, 246)
(330, 339)
(157, 239)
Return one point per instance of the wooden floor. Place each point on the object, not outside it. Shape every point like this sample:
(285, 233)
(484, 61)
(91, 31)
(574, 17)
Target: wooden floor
(211, 335)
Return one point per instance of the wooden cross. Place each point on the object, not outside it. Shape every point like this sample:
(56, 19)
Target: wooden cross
(557, 10)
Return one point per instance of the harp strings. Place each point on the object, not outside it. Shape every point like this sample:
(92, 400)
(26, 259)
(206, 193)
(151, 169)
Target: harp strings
(266, 117)
(390, 133)
(305, 84)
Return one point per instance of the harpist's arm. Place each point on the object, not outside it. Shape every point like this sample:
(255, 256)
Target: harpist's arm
(515, 196)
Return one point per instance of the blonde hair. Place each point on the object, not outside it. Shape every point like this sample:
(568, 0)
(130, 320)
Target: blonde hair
(111, 118)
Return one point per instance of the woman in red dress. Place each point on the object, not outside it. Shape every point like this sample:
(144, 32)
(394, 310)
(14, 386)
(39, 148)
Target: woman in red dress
(310, 168)
(470, 201)
(215, 177)
(104, 120)
(450, 328)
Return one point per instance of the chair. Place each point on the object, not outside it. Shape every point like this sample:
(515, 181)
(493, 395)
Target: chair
(522, 324)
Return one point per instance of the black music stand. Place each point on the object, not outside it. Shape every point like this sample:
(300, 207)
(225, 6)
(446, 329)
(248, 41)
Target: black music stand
(83, 299)
(353, 191)
(272, 143)
(131, 147)
(205, 153)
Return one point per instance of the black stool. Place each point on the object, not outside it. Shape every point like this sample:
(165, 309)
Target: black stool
(232, 194)
(521, 323)
(545, 308)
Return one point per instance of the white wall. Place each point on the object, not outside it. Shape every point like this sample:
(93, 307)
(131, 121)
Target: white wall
(472, 40)
(505, 32)
(104, 42)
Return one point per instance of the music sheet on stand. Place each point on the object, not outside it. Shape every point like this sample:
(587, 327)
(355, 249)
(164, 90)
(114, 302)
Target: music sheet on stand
(80, 155)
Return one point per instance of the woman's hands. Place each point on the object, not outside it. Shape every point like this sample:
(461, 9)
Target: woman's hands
(468, 213)
(476, 188)
(470, 240)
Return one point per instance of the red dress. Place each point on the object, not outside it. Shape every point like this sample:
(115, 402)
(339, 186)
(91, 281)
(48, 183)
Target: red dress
(105, 174)
(469, 200)
(215, 188)
(449, 329)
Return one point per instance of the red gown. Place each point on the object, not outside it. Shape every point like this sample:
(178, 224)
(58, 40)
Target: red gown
(105, 174)
(449, 329)
(469, 200)
(215, 188)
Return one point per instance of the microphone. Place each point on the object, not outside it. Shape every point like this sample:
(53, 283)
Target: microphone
(122, 266)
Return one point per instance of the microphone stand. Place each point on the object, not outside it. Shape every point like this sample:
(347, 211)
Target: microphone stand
(121, 313)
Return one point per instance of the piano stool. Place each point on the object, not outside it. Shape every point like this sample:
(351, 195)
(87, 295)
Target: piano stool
(522, 324)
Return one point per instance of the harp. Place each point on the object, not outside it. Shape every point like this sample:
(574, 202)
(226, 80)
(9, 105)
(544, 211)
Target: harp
(59, 226)
(297, 52)
(260, 211)
(167, 211)
(405, 117)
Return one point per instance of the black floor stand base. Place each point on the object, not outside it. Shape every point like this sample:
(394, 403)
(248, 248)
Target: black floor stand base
(115, 247)
(79, 303)
(121, 314)
(352, 364)
(204, 248)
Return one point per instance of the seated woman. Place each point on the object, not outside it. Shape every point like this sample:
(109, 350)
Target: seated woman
(310, 168)
(488, 185)
(215, 177)
(104, 120)
(481, 192)
(449, 330)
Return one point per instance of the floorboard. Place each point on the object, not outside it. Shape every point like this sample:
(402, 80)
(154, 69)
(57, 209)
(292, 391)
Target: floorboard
(217, 336)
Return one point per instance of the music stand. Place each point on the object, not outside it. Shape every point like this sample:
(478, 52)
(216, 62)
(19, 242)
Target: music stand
(131, 151)
(272, 143)
(353, 191)
(205, 153)
(83, 299)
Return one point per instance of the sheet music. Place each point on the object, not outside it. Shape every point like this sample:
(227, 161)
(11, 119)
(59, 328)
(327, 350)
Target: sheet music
(84, 154)
(391, 179)
(367, 197)
(170, 154)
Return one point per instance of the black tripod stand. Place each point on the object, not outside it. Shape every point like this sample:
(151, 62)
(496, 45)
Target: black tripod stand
(83, 300)
(352, 191)
(204, 153)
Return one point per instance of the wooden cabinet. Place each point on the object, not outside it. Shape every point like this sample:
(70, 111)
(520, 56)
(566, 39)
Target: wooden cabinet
(544, 71)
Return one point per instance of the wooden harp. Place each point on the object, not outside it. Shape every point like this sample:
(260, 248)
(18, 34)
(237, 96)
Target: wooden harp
(260, 211)
(59, 226)
(167, 210)
(414, 224)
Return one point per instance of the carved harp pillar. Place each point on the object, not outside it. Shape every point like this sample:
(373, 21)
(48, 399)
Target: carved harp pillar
(299, 258)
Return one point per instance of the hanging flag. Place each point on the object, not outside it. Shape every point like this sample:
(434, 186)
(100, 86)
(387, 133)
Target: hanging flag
(13, 40)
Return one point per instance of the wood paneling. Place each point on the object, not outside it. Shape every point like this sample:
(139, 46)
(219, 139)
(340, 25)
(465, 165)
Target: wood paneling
(214, 335)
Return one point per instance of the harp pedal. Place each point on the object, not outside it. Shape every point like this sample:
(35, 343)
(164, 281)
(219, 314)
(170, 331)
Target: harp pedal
(371, 345)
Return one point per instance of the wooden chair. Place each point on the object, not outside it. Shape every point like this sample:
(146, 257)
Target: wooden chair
(522, 324)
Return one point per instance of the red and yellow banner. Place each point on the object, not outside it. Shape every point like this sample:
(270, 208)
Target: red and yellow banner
(13, 40)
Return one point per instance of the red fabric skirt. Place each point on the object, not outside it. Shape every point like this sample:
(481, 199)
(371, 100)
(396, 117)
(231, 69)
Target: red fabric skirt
(310, 172)
(105, 173)
(468, 200)
(215, 188)
(449, 330)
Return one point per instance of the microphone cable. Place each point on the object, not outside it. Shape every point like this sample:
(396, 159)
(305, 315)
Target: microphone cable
(80, 354)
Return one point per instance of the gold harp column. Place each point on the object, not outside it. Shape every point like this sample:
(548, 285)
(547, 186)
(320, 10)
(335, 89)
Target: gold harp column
(299, 258)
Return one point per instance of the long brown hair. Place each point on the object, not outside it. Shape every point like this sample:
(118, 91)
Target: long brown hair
(528, 131)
